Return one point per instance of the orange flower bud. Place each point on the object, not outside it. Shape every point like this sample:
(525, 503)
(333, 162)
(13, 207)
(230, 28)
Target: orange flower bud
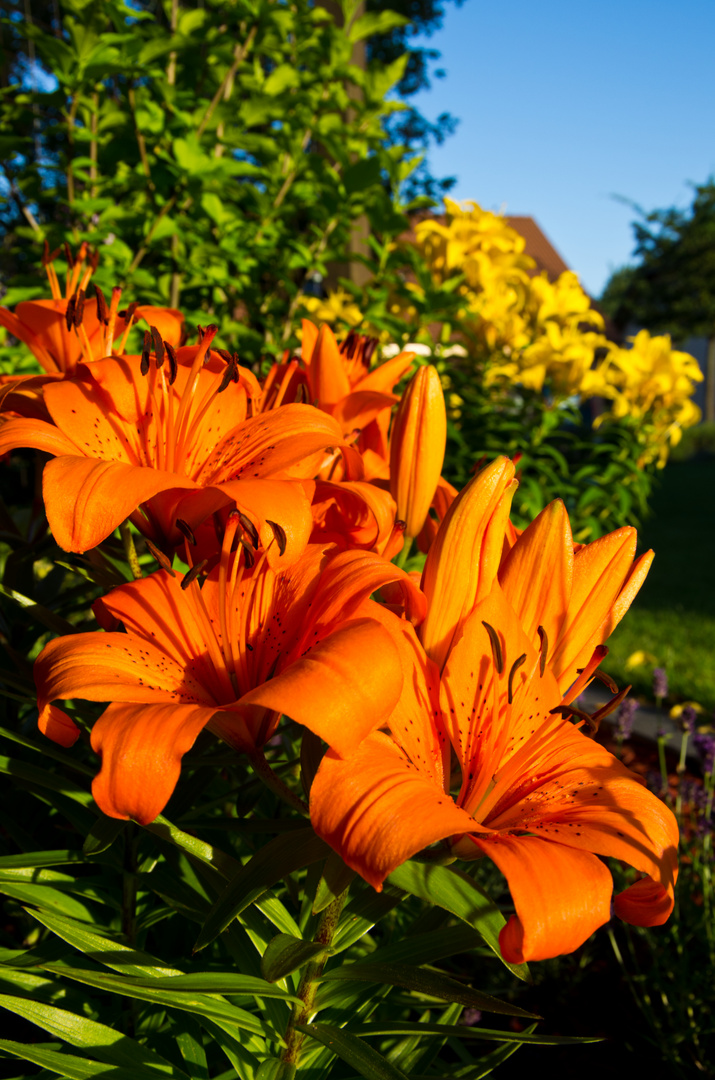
(463, 561)
(417, 445)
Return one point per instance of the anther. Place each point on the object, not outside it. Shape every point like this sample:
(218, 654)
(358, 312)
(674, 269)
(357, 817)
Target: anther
(146, 349)
(571, 710)
(186, 530)
(173, 362)
(160, 557)
(544, 649)
(229, 375)
(606, 680)
(514, 668)
(69, 314)
(248, 556)
(192, 574)
(69, 256)
(496, 647)
(79, 308)
(158, 346)
(224, 354)
(280, 535)
(250, 529)
(370, 346)
(102, 310)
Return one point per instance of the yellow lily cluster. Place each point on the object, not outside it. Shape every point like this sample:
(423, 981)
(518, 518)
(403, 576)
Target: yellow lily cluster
(538, 333)
(654, 384)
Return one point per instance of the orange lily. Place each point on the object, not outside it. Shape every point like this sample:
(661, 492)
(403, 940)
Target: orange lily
(68, 329)
(489, 676)
(126, 435)
(233, 655)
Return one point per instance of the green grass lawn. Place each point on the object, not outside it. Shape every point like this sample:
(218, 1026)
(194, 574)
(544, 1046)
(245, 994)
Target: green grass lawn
(673, 616)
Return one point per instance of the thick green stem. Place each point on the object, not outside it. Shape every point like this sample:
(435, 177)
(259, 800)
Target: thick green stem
(303, 1013)
(130, 551)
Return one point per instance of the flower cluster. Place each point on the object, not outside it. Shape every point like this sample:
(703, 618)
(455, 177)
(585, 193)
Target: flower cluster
(274, 508)
(538, 333)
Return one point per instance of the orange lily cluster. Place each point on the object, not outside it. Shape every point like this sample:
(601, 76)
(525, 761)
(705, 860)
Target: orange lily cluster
(446, 701)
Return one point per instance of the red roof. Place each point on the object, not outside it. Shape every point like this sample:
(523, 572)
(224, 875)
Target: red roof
(538, 246)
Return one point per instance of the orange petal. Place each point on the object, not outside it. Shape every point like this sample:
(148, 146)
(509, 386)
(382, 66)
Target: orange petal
(168, 321)
(58, 726)
(109, 667)
(327, 691)
(358, 408)
(383, 377)
(37, 434)
(308, 340)
(601, 570)
(86, 499)
(561, 895)
(646, 903)
(463, 559)
(537, 574)
(328, 379)
(377, 810)
(351, 577)
(142, 747)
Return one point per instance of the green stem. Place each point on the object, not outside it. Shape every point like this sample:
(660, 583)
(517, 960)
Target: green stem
(681, 770)
(274, 782)
(303, 1013)
(130, 551)
(404, 553)
(661, 762)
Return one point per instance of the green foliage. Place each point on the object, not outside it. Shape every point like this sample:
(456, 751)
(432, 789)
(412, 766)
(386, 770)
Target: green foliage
(214, 155)
(671, 288)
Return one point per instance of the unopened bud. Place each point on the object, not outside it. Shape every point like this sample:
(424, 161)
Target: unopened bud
(417, 445)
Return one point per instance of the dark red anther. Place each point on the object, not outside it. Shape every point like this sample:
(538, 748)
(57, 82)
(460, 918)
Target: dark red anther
(173, 362)
(102, 310)
(250, 529)
(146, 349)
(280, 535)
(79, 308)
(186, 530)
(158, 346)
(193, 573)
(69, 314)
(68, 255)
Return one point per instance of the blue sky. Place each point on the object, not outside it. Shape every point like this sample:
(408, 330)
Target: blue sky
(563, 105)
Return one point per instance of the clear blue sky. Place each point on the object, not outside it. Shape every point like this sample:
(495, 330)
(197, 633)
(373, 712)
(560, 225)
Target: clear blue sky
(563, 105)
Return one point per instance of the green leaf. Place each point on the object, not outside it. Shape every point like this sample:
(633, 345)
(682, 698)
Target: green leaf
(195, 848)
(285, 953)
(362, 174)
(419, 980)
(455, 891)
(271, 864)
(48, 898)
(102, 835)
(273, 1069)
(375, 22)
(109, 1045)
(104, 950)
(334, 881)
(360, 1055)
(214, 1008)
(40, 858)
(477, 1032)
(67, 1065)
(282, 78)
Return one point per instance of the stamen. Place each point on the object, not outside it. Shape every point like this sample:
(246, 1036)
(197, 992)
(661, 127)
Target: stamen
(69, 314)
(514, 668)
(571, 710)
(129, 316)
(158, 346)
(102, 315)
(112, 322)
(79, 308)
(279, 534)
(160, 557)
(173, 362)
(186, 530)
(68, 255)
(193, 573)
(229, 375)
(544, 649)
(610, 706)
(606, 680)
(496, 647)
(249, 528)
(146, 349)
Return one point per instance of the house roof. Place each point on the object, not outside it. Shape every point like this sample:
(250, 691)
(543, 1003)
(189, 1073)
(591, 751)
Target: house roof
(538, 246)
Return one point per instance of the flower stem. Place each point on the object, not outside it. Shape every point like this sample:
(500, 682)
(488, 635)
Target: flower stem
(274, 782)
(130, 551)
(303, 1013)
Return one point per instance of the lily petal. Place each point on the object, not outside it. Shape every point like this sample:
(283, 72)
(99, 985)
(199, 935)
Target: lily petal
(561, 895)
(645, 903)
(142, 747)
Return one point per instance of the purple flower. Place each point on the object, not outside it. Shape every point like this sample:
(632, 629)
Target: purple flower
(624, 719)
(471, 1017)
(660, 683)
(687, 719)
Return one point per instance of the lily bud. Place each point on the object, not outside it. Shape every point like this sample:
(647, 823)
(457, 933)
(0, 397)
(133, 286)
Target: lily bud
(463, 560)
(417, 445)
